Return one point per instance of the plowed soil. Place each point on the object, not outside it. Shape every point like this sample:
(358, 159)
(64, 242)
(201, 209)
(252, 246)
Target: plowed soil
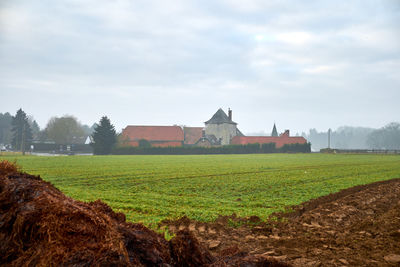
(359, 226)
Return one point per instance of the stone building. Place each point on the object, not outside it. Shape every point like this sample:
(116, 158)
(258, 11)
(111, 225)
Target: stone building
(221, 128)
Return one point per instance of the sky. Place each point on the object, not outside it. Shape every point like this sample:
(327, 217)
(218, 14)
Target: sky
(301, 64)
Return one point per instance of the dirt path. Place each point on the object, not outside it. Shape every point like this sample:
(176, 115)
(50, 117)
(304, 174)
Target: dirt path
(359, 226)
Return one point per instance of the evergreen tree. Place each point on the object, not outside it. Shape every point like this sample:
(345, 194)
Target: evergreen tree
(5, 128)
(35, 128)
(104, 137)
(22, 133)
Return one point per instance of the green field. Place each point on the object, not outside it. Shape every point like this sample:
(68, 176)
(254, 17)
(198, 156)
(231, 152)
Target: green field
(151, 188)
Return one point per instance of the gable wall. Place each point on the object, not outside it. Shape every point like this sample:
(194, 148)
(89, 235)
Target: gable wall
(225, 131)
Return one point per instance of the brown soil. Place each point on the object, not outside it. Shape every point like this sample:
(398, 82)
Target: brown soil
(40, 226)
(359, 226)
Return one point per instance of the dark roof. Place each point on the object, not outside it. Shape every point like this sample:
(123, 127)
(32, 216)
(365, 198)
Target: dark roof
(239, 133)
(274, 131)
(211, 138)
(219, 118)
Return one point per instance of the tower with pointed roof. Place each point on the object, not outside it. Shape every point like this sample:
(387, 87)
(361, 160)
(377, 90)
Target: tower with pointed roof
(221, 127)
(274, 131)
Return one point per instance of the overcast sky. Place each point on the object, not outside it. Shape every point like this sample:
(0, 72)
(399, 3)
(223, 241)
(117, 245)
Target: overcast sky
(302, 64)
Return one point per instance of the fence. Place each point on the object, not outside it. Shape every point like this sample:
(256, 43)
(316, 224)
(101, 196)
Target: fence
(60, 148)
(362, 151)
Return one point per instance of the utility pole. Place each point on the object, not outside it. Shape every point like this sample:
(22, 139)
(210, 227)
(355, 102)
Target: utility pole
(329, 138)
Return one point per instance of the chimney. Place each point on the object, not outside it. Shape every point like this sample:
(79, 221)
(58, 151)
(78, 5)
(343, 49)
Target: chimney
(287, 133)
(230, 114)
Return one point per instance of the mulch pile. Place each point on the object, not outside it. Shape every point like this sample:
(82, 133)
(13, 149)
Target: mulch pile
(359, 226)
(40, 226)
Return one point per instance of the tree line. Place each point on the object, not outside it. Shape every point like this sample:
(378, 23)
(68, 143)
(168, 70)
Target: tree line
(387, 137)
(61, 130)
(21, 131)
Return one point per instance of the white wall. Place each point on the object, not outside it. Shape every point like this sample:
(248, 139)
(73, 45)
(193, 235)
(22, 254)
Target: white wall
(225, 131)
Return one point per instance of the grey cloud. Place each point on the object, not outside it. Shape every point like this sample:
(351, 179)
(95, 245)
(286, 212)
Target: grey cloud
(304, 64)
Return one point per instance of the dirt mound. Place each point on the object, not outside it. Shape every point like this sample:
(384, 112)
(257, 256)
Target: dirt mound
(40, 226)
(359, 226)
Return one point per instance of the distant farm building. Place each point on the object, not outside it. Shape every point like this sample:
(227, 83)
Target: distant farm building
(158, 136)
(219, 130)
(280, 141)
(192, 135)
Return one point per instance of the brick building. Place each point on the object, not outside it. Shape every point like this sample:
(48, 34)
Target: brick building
(159, 136)
(220, 129)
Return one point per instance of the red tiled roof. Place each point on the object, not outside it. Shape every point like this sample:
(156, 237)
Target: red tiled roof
(279, 140)
(153, 133)
(192, 134)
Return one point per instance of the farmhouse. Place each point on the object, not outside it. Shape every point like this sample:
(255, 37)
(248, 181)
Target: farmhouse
(221, 127)
(219, 130)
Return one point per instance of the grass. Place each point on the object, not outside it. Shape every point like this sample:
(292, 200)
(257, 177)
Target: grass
(149, 189)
